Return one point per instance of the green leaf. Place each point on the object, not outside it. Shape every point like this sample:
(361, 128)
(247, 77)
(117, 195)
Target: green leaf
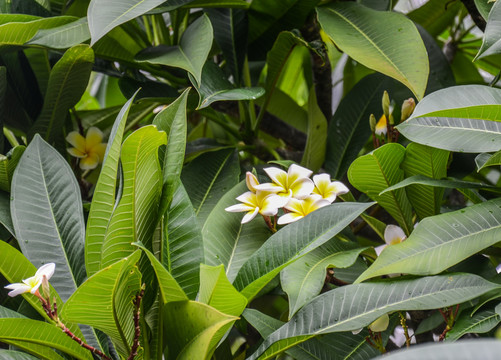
(396, 49)
(64, 36)
(169, 288)
(491, 43)
(459, 234)
(226, 240)
(67, 82)
(460, 118)
(481, 322)
(134, 219)
(304, 278)
(217, 291)
(189, 55)
(209, 177)
(105, 15)
(38, 332)
(17, 355)
(292, 242)
(215, 87)
(199, 335)
(314, 151)
(432, 163)
(104, 301)
(8, 164)
(103, 199)
(487, 349)
(5, 218)
(442, 183)
(485, 160)
(47, 215)
(483, 7)
(434, 16)
(182, 248)
(378, 170)
(352, 307)
(118, 45)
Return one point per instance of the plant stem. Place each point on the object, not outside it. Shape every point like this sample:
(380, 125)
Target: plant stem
(137, 332)
(403, 323)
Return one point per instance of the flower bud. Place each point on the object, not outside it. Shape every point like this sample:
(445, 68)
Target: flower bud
(372, 122)
(380, 324)
(386, 104)
(407, 108)
(46, 287)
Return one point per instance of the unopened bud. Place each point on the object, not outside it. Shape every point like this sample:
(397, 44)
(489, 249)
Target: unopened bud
(407, 108)
(392, 121)
(380, 324)
(386, 104)
(372, 122)
(46, 288)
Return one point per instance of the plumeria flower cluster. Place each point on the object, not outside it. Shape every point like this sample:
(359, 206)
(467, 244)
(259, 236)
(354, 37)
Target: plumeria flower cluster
(293, 191)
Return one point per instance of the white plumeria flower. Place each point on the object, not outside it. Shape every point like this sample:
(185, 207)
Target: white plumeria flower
(393, 234)
(32, 284)
(263, 202)
(300, 208)
(327, 189)
(295, 182)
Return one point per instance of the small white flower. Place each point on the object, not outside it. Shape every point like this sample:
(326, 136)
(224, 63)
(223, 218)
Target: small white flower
(293, 183)
(32, 284)
(327, 189)
(298, 209)
(393, 234)
(263, 202)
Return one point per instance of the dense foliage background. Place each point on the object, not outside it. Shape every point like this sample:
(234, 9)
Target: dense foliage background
(136, 132)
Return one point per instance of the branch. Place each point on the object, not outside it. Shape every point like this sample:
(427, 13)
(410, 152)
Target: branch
(475, 15)
(137, 333)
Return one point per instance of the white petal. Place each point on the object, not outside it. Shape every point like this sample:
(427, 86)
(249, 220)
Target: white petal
(379, 249)
(17, 289)
(393, 234)
(340, 188)
(275, 174)
(251, 181)
(301, 171)
(321, 178)
(47, 270)
(269, 187)
(302, 188)
(288, 218)
(239, 208)
(249, 216)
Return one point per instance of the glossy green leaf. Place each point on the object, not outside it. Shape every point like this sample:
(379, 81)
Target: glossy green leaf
(460, 118)
(199, 335)
(103, 199)
(226, 240)
(135, 217)
(47, 214)
(215, 87)
(434, 16)
(378, 170)
(5, 217)
(17, 355)
(292, 242)
(304, 278)
(487, 349)
(217, 291)
(314, 151)
(423, 160)
(169, 288)
(478, 323)
(442, 183)
(64, 36)
(107, 296)
(8, 164)
(396, 49)
(191, 52)
(209, 177)
(352, 307)
(485, 160)
(491, 43)
(118, 45)
(67, 82)
(459, 234)
(484, 8)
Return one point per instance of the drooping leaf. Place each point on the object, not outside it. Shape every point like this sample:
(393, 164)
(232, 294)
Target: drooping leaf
(64, 36)
(8, 164)
(459, 234)
(208, 177)
(352, 307)
(478, 323)
(304, 278)
(461, 118)
(226, 240)
(17, 355)
(107, 296)
(378, 170)
(396, 49)
(491, 43)
(104, 194)
(134, 218)
(189, 55)
(293, 241)
(67, 82)
(485, 160)
(47, 215)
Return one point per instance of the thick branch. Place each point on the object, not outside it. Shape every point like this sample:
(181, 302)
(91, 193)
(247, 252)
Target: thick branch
(475, 14)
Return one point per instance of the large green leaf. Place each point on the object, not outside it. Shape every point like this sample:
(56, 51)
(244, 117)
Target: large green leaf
(62, 37)
(226, 240)
(423, 160)
(486, 349)
(191, 52)
(134, 219)
(104, 301)
(480, 322)
(485, 160)
(17, 355)
(378, 170)
(396, 49)
(434, 16)
(8, 164)
(458, 234)
(460, 118)
(352, 307)
(304, 278)
(67, 83)
(449, 183)
(38, 332)
(292, 242)
(118, 45)
(209, 177)
(491, 43)
(5, 218)
(47, 215)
